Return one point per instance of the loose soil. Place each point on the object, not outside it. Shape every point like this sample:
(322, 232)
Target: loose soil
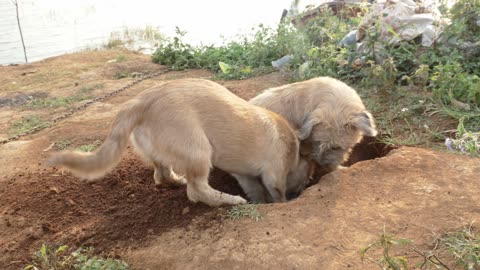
(413, 191)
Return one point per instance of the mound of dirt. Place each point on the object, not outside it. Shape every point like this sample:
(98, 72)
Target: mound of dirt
(123, 209)
(413, 192)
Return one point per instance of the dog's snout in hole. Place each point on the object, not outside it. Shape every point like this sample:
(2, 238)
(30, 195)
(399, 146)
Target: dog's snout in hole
(368, 148)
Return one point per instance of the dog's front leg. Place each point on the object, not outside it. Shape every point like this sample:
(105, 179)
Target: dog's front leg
(276, 185)
(252, 187)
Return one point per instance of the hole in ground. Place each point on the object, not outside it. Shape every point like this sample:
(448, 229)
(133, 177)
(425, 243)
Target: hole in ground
(368, 148)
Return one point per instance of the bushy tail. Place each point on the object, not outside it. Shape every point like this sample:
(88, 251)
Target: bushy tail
(108, 155)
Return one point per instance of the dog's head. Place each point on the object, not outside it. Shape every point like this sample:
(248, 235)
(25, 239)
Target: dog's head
(329, 136)
(298, 178)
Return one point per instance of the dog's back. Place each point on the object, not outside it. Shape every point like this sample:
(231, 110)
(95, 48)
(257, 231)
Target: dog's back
(234, 128)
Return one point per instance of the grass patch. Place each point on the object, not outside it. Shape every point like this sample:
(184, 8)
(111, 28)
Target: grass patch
(385, 243)
(26, 123)
(63, 144)
(61, 258)
(458, 248)
(89, 147)
(55, 102)
(244, 210)
(464, 246)
(122, 74)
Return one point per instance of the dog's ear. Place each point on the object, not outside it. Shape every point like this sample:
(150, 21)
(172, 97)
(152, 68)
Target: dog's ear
(310, 121)
(364, 122)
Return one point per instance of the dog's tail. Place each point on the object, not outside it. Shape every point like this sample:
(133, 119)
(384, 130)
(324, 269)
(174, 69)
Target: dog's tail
(108, 155)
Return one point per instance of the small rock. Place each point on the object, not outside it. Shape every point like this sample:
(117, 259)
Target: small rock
(185, 210)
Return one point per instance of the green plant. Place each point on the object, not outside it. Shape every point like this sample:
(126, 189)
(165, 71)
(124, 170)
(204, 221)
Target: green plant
(385, 244)
(62, 144)
(465, 141)
(450, 82)
(121, 74)
(26, 123)
(51, 257)
(89, 147)
(244, 210)
(464, 246)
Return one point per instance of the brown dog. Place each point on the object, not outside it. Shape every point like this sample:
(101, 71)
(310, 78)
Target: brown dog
(190, 125)
(330, 115)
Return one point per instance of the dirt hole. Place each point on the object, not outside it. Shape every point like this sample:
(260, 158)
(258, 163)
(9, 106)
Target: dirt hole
(368, 148)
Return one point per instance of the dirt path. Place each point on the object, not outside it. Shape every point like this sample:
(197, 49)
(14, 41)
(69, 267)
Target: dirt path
(414, 192)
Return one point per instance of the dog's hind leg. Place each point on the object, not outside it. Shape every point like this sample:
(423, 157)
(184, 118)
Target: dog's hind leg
(198, 189)
(252, 187)
(165, 174)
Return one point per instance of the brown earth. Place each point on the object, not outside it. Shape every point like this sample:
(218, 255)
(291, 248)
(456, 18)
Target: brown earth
(416, 193)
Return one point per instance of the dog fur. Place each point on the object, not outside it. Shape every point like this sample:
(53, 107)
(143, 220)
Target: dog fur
(329, 114)
(188, 126)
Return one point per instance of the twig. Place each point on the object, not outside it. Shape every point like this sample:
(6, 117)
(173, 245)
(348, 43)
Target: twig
(15, 2)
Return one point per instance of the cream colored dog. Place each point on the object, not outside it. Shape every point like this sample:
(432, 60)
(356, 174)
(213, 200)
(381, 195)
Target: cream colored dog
(330, 115)
(190, 125)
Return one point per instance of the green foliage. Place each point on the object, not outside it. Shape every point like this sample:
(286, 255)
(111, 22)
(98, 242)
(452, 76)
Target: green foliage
(465, 14)
(464, 246)
(244, 210)
(176, 54)
(449, 81)
(58, 258)
(240, 58)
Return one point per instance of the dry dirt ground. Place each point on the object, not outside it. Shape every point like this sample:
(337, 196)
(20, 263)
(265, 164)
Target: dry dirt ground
(415, 193)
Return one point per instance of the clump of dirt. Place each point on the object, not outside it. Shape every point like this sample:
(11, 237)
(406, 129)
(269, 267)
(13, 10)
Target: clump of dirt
(122, 209)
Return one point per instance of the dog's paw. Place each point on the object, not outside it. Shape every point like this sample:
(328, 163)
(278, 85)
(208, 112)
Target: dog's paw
(238, 200)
